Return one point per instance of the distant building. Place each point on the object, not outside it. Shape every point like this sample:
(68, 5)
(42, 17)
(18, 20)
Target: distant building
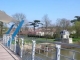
(42, 31)
(38, 31)
(64, 34)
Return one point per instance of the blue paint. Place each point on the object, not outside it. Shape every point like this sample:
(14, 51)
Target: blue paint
(9, 42)
(16, 31)
(9, 29)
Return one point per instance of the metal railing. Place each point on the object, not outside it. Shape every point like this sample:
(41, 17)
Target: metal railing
(41, 51)
(36, 52)
(7, 38)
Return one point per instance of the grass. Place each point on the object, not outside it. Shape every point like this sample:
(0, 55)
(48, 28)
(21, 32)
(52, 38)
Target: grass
(38, 40)
(76, 39)
(42, 40)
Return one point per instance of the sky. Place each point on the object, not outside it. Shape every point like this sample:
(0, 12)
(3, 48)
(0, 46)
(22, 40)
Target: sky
(36, 9)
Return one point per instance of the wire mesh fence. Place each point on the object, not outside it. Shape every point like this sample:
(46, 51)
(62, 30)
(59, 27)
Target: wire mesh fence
(43, 50)
(47, 51)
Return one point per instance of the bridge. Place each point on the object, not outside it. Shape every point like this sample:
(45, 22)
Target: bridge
(6, 54)
(5, 44)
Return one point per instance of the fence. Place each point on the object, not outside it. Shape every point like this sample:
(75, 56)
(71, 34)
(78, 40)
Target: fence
(41, 51)
(14, 46)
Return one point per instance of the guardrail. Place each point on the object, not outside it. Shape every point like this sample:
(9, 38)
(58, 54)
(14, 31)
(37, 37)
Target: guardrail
(36, 52)
(13, 44)
(41, 51)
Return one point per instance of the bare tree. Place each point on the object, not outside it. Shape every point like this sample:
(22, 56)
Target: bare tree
(62, 24)
(26, 26)
(18, 17)
(46, 21)
(46, 24)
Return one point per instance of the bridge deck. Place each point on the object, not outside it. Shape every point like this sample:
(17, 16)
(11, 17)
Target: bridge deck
(6, 54)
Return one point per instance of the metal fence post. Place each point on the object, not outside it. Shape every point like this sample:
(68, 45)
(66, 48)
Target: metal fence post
(7, 39)
(3, 38)
(73, 57)
(15, 45)
(33, 49)
(10, 41)
(58, 52)
(22, 47)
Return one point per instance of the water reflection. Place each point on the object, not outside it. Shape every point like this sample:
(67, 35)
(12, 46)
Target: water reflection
(68, 53)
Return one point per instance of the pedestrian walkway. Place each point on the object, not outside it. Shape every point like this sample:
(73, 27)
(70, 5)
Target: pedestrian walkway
(6, 54)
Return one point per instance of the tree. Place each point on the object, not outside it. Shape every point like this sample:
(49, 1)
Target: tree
(1, 28)
(76, 25)
(77, 18)
(47, 26)
(77, 28)
(18, 17)
(46, 21)
(26, 26)
(35, 24)
(62, 24)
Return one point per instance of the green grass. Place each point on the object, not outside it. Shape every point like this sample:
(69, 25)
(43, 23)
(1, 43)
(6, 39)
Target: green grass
(38, 40)
(76, 39)
(42, 40)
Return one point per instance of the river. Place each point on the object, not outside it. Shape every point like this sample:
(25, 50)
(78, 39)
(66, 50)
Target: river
(68, 53)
